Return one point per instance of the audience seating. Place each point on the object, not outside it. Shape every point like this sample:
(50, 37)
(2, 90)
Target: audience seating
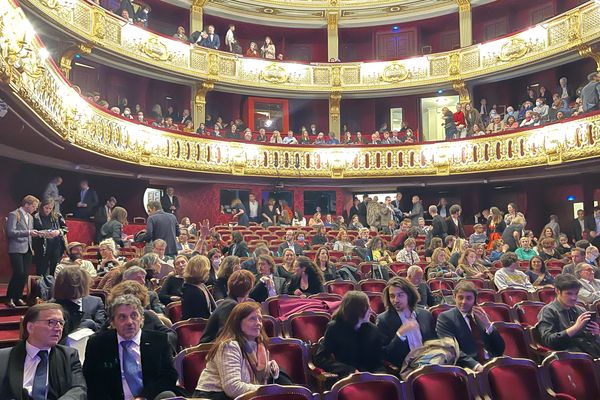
(527, 312)
(516, 340)
(272, 326)
(189, 364)
(278, 392)
(487, 296)
(339, 287)
(271, 305)
(546, 294)
(575, 374)
(512, 296)
(308, 326)
(292, 356)
(189, 331)
(366, 386)
(326, 296)
(479, 283)
(399, 268)
(440, 284)
(376, 302)
(498, 312)
(437, 310)
(437, 382)
(174, 311)
(372, 285)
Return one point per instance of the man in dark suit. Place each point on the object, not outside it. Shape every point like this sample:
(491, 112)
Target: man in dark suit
(403, 326)
(290, 243)
(471, 327)
(88, 201)
(268, 283)
(582, 226)
(397, 206)
(416, 212)
(354, 209)
(19, 231)
(212, 41)
(362, 211)
(454, 223)
(170, 202)
(38, 367)
(127, 362)
(103, 215)
(161, 225)
(439, 228)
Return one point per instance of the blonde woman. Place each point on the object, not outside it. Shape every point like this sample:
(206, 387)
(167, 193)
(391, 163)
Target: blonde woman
(268, 49)
(196, 300)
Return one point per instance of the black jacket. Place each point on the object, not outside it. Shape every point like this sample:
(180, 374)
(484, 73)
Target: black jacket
(217, 320)
(453, 229)
(193, 302)
(260, 293)
(439, 227)
(102, 368)
(166, 204)
(91, 200)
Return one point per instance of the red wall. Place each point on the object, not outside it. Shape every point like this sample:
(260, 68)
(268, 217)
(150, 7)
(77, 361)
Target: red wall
(367, 115)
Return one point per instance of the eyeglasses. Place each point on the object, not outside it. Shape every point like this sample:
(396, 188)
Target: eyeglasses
(53, 323)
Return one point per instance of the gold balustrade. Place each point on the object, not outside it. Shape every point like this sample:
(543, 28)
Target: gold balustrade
(32, 78)
(557, 37)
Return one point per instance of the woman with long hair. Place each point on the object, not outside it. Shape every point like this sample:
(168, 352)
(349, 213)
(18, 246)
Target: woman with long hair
(268, 49)
(376, 251)
(286, 269)
(227, 267)
(471, 268)
(307, 278)
(440, 267)
(495, 226)
(113, 228)
(238, 361)
(240, 214)
(170, 289)
(50, 245)
(537, 273)
(436, 242)
(196, 300)
(325, 265)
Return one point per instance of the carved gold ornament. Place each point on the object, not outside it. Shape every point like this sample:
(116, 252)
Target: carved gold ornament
(274, 73)
(514, 49)
(156, 50)
(394, 73)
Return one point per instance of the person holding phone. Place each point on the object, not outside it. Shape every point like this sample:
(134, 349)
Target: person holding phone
(565, 326)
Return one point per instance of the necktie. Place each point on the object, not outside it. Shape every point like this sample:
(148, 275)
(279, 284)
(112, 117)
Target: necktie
(38, 392)
(131, 370)
(476, 333)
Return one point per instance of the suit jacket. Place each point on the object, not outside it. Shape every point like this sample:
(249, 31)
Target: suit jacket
(241, 250)
(416, 213)
(194, 302)
(298, 250)
(453, 229)
(166, 204)
(92, 314)
(162, 225)
(65, 379)
(102, 369)
(217, 320)
(396, 349)
(260, 293)
(452, 324)
(362, 213)
(440, 228)
(100, 218)
(91, 199)
(17, 232)
(215, 43)
(589, 224)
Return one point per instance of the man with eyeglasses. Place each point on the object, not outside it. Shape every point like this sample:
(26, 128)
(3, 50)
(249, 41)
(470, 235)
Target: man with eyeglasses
(38, 367)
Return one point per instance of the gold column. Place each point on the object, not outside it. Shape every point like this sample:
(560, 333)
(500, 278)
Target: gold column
(66, 57)
(465, 22)
(199, 109)
(333, 41)
(464, 97)
(196, 15)
(587, 51)
(334, 113)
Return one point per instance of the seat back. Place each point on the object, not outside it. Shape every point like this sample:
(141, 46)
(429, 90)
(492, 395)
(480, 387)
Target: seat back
(573, 374)
(174, 311)
(516, 340)
(376, 302)
(478, 282)
(513, 296)
(339, 287)
(546, 294)
(326, 297)
(372, 285)
(272, 326)
(292, 357)
(308, 326)
(440, 284)
(498, 312)
(486, 296)
(436, 382)
(527, 312)
(367, 386)
(189, 331)
(278, 392)
(506, 378)
(189, 364)
(437, 310)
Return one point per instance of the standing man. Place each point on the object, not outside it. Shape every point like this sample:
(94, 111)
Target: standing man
(88, 201)
(471, 327)
(212, 40)
(19, 231)
(362, 211)
(582, 226)
(161, 225)
(127, 362)
(590, 94)
(170, 202)
(397, 206)
(38, 367)
(438, 223)
(253, 208)
(52, 192)
(416, 212)
(103, 215)
(454, 223)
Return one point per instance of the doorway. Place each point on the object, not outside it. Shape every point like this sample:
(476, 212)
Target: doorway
(431, 116)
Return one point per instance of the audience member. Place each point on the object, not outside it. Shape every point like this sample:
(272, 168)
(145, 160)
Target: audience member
(590, 286)
(171, 288)
(102, 216)
(268, 283)
(75, 257)
(162, 225)
(307, 278)
(88, 201)
(52, 192)
(169, 202)
(537, 272)
(509, 276)
(49, 245)
(196, 300)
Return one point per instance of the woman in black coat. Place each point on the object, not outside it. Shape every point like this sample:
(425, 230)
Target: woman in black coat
(196, 300)
(307, 278)
(49, 248)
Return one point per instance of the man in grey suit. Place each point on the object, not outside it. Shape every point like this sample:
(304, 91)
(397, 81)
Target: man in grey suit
(162, 225)
(38, 367)
(19, 231)
(52, 192)
(416, 212)
(268, 283)
(590, 94)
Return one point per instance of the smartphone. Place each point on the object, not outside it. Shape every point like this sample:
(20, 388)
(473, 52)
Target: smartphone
(593, 315)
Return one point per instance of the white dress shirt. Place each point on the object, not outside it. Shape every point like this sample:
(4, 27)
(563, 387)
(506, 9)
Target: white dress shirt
(137, 355)
(413, 337)
(31, 362)
(253, 206)
(25, 216)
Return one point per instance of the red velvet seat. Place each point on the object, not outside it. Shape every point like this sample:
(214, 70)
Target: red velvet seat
(527, 312)
(376, 302)
(440, 284)
(365, 268)
(516, 340)
(272, 326)
(372, 285)
(189, 364)
(308, 326)
(271, 305)
(102, 294)
(189, 331)
(479, 283)
(366, 386)
(511, 296)
(546, 294)
(339, 287)
(326, 296)
(437, 382)
(574, 374)
(486, 296)
(497, 312)
(292, 357)
(174, 311)
(437, 310)
(278, 392)
(399, 268)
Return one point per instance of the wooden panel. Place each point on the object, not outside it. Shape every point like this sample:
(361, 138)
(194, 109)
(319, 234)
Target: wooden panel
(396, 45)
(449, 40)
(496, 28)
(299, 52)
(541, 13)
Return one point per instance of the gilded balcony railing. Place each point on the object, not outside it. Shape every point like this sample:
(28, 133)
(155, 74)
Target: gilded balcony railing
(29, 75)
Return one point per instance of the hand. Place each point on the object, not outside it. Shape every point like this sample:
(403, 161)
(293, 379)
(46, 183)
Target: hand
(34, 233)
(580, 324)
(267, 281)
(54, 233)
(482, 317)
(298, 292)
(408, 326)
(173, 208)
(274, 368)
(448, 275)
(593, 328)
(478, 368)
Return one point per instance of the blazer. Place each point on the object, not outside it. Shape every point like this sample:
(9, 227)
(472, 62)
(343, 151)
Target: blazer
(101, 217)
(314, 286)
(217, 320)
(162, 225)
(166, 204)
(102, 369)
(215, 43)
(241, 250)
(416, 212)
(193, 302)
(396, 349)
(260, 293)
(113, 229)
(453, 229)
(65, 378)
(440, 228)
(298, 250)
(91, 199)
(92, 314)
(452, 324)
(17, 232)
(589, 224)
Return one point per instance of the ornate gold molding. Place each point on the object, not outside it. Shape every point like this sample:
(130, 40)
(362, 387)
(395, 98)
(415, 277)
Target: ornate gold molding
(588, 51)
(464, 97)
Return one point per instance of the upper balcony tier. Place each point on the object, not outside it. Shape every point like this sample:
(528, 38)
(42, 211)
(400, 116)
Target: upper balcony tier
(132, 48)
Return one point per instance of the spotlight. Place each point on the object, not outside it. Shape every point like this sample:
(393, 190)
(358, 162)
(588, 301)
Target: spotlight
(571, 198)
(440, 91)
(395, 28)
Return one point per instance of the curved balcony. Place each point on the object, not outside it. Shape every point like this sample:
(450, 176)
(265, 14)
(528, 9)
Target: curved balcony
(556, 41)
(33, 79)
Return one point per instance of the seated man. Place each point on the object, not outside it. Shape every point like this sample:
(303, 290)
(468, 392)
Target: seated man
(590, 287)
(127, 362)
(75, 257)
(471, 327)
(563, 325)
(414, 274)
(290, 243)
(37, 367)
(509, 276)
(403, 326)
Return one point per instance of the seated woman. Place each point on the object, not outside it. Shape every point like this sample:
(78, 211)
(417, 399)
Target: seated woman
(440, 267)
(481, 252)
(237, 247)
(459, 247)
(564, 248)
(108, 253)
(171, 287)
(414, 274)
(215, 257)
(343, 242)
(403, 326)
(325, 265)
(226, 268)
(376, 252)
(286, 270)
(537, 273)
(268, 283)
(113, 228)
(525, 252)
(239, 285)
(72, 292)
(315, 220)
(319, 236)
(355, 224)
(298, 219)
(351, 343)
(408, 255)
(186, 224)
(150, 262)
(435, 243)
(307, 278)
(470, 268)
(238, 362)
(196, 300)
(548, 250)
(183, 244)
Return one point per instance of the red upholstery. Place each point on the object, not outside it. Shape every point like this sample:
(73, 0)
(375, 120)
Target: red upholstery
(437, 310)
(513, 296)
(573, 374)
(277, 392)
(516, 343)
(486, 296)
(271, 325)
(440, 284)
(308, 326)
(326, 297)
(372, 285)
(479, 283)
(440, 385)
(399, 268)
(514, 382)
(546, 295)
(189, 331)
(376, 302)
(527, 312)
(374, 390)
(190, 363)
(339, 287)
(174, 311)
(81, 231)
(292, 357)
(497, 312)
